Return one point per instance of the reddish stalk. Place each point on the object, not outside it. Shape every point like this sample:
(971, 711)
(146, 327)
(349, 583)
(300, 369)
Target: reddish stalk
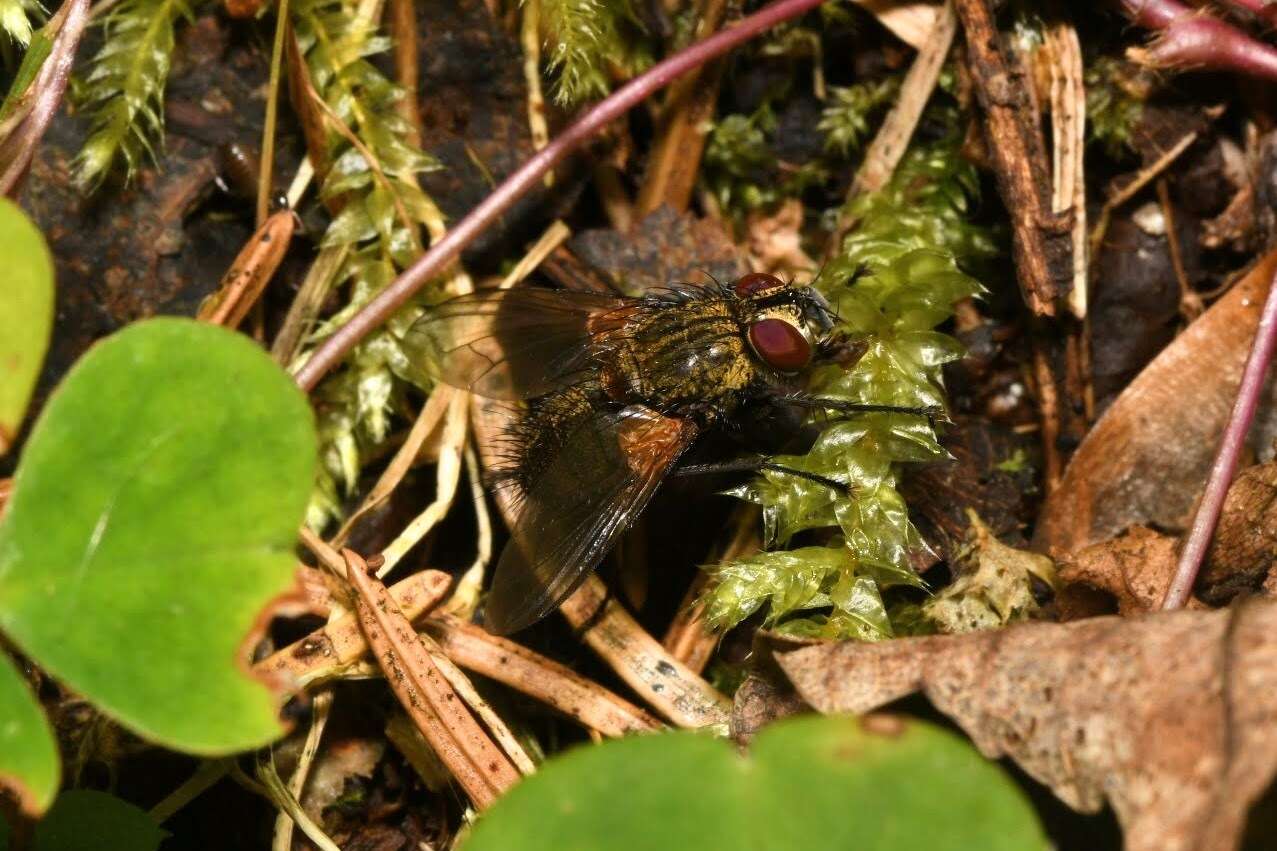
(377, 311)
(1230, 448)
(1191, 38)
(17, 150)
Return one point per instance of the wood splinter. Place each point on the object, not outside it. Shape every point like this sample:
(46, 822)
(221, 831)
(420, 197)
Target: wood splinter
(1041, 238)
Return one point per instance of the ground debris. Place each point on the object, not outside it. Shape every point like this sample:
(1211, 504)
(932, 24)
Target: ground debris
(664, 247)
(1168, 717)
(1244, 551)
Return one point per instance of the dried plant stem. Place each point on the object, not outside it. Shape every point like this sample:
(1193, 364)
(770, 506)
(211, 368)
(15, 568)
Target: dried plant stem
(403, 29)
(1230, 449)
(210, 771)
(283, 798)
(320, 708)
(689, 107)
(328, 651)
(530, 36)
(17, 149)
(1068, 146)
(668, 685)
(306, 305)
(272, 113)
(1131, 189)
(433, 261)
(447, 476)
(689, 637)
(252, 270)
(465, 596)
(432, 414)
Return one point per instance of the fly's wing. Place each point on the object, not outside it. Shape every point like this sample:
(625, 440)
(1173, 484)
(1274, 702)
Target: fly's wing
(507, 344)
(578, 507)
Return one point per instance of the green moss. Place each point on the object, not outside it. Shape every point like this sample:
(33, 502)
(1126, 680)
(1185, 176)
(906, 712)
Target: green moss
(123, 91)
(381, 214)
(587, 42)
(846, 119)
(1112, 112)
(895, 279)
(17, 17)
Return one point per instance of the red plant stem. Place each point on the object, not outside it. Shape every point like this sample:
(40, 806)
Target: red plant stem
(46, 90)
(381, 307)
(1230, 448)
(1191, 38)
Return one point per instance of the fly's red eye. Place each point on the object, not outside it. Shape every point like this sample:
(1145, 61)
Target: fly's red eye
(756, 283)
(780, 344)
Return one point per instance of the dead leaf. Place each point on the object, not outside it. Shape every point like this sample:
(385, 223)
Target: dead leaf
(1169, 716)
(909, 21)
(775, 241)
(993, 586)
(1145, 461)
(1132, 571)
(1244, 550)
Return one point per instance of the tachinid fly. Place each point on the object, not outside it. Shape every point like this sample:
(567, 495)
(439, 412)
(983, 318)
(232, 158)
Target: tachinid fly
(617, 389)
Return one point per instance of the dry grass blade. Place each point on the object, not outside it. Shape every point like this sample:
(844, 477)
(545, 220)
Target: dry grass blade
(447, 476)
(1168, 716)
(888, 146)
(432, 413)
(304, 310)
(536, 676)
(284, 822)
(327, 651)
(482, 769)
(252, 270)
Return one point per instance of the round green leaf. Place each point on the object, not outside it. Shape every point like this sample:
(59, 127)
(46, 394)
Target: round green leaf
(152, 519)
(29, 764)
(83, 820)
(813, 782)
(26, 315)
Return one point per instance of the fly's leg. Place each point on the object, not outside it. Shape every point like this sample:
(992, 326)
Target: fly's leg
(843, 406)
(754, 465)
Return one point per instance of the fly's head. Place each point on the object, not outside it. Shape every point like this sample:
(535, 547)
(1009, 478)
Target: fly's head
(783, 323)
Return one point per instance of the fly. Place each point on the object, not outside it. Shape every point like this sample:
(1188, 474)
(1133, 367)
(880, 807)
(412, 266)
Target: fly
(617, 390)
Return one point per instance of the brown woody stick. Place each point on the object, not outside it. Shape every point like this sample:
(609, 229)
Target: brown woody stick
(1042, 246)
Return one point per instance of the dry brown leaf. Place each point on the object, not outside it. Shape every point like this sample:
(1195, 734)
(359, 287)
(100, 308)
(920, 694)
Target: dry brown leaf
(1145, 461)
(1133, 570)
(1244, 551)
(1171, 717)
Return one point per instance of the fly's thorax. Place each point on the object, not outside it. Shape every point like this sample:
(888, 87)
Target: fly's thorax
(671, 355)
